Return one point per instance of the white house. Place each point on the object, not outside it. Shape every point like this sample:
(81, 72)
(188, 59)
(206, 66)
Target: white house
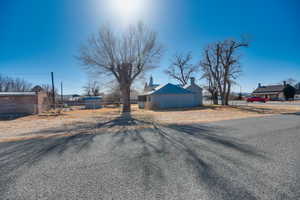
(170, 96)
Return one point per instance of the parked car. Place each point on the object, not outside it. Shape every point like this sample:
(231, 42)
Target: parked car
(257, 99)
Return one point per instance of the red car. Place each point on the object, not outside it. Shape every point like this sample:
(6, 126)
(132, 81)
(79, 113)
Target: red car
(257, 99)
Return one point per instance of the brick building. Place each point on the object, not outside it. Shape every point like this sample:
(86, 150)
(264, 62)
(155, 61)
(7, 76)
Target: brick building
(23, 102)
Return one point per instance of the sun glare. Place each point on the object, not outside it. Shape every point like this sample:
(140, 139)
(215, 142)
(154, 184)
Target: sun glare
(128, 10)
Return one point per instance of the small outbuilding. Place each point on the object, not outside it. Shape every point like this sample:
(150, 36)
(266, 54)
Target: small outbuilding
(24, 103)
(170, 96)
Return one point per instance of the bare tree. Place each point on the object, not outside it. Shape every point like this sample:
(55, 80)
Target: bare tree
(212, 87)
(92, 88)
(8, 84)
(124, 57)
(181, 68)
(221, 66)
(48, 89)
(290, 81)
(211, 68)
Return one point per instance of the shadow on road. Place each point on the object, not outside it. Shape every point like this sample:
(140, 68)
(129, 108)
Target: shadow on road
(253, 109)
(199, 146)
(294, 113)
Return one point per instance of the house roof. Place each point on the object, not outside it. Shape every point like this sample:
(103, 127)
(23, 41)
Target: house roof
(151, 88)
(192, 86)
(168, 89)
(269, 88)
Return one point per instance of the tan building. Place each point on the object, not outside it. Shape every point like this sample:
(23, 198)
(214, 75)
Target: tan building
(23, 102)
(273, 92)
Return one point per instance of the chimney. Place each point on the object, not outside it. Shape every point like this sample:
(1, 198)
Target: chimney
(259, 85)
(284, 83)
(192, 81)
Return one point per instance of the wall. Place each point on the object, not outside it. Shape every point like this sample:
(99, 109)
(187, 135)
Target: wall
(164, 101)
(198, 97)
(24, 104)
(43, 102)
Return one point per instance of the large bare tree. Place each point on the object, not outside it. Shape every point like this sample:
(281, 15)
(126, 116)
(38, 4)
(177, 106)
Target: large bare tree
(181, 68)
(212, 70)
(221, 66)
(123, 56)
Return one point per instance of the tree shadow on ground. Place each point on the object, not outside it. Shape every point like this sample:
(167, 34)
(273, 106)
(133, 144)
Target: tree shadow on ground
(254, 109)
(10, 117)
(191, 142)
(188, 140)
(293, 113)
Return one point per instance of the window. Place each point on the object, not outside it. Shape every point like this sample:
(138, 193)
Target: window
(142, 98)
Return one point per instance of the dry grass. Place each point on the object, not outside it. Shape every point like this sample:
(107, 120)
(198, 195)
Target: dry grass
(197, 115)
(34, 126)
(218, 113)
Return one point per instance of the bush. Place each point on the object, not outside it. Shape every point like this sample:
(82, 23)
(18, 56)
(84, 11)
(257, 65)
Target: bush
(289, 92)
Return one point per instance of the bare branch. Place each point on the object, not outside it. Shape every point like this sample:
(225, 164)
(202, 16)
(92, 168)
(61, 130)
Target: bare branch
(181, 69)
(124, 57)
(220, 66)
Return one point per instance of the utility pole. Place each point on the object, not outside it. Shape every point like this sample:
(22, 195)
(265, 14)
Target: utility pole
(61, 93)
(53, 90)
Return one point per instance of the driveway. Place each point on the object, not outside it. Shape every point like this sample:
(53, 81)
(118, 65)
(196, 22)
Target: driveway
(253, 158)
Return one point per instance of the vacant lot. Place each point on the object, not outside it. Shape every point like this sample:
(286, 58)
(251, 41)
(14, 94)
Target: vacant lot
(32, 126)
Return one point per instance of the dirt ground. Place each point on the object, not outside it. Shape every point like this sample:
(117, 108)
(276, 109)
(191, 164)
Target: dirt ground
(35, 126)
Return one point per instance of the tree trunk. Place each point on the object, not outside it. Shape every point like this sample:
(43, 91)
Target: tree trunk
(223, 98)
(125, 92)
(227, 94)
(222, 92)
(215, 98)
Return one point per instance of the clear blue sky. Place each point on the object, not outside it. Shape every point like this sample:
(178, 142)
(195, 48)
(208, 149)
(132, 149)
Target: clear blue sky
(40, 36)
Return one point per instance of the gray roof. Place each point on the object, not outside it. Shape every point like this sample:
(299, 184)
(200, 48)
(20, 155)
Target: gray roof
(194, 85)
(269, 88)
(168, 89)
(151, 87)
(17, 93)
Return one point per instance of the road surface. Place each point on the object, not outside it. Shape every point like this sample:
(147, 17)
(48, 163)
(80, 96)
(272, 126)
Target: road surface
(289, 103)
(255, 158)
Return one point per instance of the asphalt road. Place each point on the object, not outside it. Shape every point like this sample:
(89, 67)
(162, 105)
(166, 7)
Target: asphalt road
(289, 103)
(238, 159)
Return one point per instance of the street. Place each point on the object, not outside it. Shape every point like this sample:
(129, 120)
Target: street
(243, 102)
(252, 158)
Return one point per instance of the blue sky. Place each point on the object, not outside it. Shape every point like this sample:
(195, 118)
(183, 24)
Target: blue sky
(38, 37)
